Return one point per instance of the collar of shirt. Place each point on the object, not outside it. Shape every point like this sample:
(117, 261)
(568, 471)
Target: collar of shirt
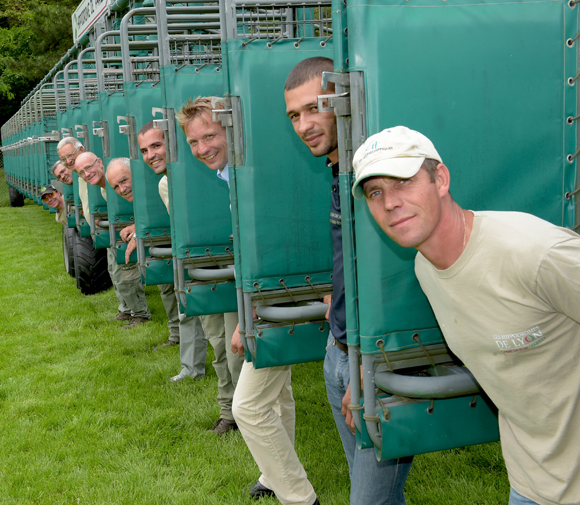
(224, 174)
(334, 167)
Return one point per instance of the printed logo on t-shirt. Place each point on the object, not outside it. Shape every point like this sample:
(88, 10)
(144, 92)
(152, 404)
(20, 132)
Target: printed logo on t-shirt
(335, 219)
(513, 342)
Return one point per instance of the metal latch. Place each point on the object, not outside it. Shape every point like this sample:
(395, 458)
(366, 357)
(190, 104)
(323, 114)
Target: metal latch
(53, 136)
(223, 116)
(66, 132)
(130, 130)
(339, 103)
(83, 133)
(101, 129)
(167, 126)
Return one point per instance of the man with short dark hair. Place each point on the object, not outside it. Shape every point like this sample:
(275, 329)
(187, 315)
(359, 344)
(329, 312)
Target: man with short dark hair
(127, 278)
(505, 288)
(372, 482)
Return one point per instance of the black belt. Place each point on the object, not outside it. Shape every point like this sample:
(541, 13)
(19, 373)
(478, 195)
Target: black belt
(341, 346)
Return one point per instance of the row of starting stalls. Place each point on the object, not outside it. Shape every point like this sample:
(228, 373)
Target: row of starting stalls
(491, 82)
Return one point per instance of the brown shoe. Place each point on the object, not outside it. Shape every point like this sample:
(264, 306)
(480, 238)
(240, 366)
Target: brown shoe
(121, 316)
(223, 426)
(169, 343)
(135, 321)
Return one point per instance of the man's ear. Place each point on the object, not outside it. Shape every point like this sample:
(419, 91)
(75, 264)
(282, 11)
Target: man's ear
(442, 179)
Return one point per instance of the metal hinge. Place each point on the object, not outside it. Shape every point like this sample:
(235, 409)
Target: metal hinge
(83, 133)
(348, 103)
(130, 130)
(231, 118)
(66, 132)
(167, 125)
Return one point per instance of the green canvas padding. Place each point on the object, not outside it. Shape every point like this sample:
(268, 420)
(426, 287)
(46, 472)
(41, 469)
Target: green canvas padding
(157, 271)
(117, 208)
(150, 213)
(101, 239)
(283, 192)
(98, 205)
(199, 201)
(210, 298)
(151, 217)
(202, 218)
(487, 83)
(91, 111)
(453, 423)
(113, 105)
(288, 345)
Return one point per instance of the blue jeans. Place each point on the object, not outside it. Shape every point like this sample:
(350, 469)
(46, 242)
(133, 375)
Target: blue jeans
(371, 482)
(517, 499)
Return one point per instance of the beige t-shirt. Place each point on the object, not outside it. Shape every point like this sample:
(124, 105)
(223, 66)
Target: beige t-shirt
(164, 192)
(509, 307)
(104, 193)
(60, 216)
(84, 196)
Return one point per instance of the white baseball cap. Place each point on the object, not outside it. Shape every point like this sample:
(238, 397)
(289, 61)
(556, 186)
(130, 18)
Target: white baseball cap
(394, 152)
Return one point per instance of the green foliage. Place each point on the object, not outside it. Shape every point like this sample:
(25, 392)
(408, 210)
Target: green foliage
(88, 415)
(33, 37)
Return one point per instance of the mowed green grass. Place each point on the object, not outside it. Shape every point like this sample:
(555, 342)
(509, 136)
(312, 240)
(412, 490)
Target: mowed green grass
(88, 416)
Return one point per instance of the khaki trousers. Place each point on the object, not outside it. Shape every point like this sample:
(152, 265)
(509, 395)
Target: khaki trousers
(264, 411)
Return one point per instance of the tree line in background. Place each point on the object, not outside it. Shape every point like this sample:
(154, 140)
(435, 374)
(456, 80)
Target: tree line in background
(34, 35)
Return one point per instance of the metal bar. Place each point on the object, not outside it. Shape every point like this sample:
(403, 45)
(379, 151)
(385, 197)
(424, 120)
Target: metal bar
(452, 382)
(312, 311)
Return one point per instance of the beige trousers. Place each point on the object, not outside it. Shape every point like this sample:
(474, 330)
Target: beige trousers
(264, 410)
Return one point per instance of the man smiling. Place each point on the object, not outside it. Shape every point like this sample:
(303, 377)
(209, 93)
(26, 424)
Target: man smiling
(372, 482)
(126, 279)
(505, 288)
(53, 198)
(62, 173)
(68, 150)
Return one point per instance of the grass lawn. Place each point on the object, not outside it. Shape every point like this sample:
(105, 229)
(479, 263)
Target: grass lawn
(88, 415)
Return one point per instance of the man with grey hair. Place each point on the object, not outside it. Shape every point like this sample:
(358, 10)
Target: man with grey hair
(505, 288)
(68, 150)
(127, 278)
(62, 173)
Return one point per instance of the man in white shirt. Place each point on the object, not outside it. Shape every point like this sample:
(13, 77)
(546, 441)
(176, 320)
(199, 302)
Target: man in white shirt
(210, 327)
(505, 288)
(261, 394)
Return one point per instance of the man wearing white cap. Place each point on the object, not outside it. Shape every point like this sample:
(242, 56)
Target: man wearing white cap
(505, 288)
